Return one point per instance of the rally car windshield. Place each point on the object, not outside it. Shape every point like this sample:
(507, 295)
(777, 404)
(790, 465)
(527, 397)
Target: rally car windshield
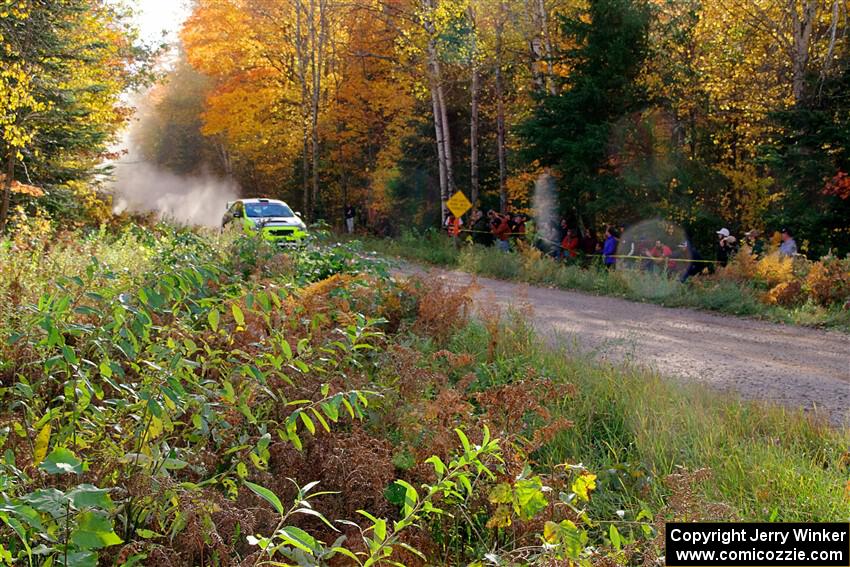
(260, 210)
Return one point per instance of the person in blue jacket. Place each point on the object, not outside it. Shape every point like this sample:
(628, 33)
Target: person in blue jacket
(609, 247)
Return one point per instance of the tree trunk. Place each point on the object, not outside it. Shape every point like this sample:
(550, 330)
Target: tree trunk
(305, 131)
(317, 40)
(441, 158)
(7, 189)
(535, 48)
(801, 26)
(473, 136)
(447, 138)
(547, 47)
(500, 114)
(226, 160)
(833, 32)
(441, 122)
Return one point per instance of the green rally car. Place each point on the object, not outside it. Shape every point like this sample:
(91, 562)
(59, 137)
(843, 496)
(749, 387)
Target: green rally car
(273, 219)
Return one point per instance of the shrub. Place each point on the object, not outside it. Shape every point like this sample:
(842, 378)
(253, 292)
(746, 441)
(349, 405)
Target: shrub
(828, 281)
(785, 294)
(774, 269)
(743, 267)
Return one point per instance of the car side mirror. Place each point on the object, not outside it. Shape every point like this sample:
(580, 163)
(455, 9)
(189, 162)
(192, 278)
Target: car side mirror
(297, 214)
(236, 214)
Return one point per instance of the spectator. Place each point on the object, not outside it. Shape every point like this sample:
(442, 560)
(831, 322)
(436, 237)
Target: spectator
(609, 247)
(788, 248)
(661, 257)
(350, 214)
(517, 224)
(453, 225)
(628, 247)
(480, 229)
(691, 255)
(571, 244)
(589, 244)
(549, 240)
(563, 228)
(753, 239)
(501, 231)
(726, 246)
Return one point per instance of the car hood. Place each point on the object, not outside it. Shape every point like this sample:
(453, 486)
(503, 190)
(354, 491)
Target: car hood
(278, 221)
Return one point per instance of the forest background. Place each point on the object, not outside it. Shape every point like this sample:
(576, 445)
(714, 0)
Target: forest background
(706, 113)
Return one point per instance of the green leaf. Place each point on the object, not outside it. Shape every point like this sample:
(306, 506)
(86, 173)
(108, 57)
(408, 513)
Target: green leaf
(308, 423)
(439, 466)
(47, 500)
(229, 394)
(529, 499)
(174, 464)
(615, 537)
(463, 440)
(347, 553)
(314, 513)
(318, 415)
(331, 410)
(26, 513)
(61, 461)
(292, 433)
(81, 559)
(238, 316)
(287, 350)
(213, 318)
(105, 368)
(267, 495)
(90, 496)
(411, 497)
(298, 538)
(94, 531)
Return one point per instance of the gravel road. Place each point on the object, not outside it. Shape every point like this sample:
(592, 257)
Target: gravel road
(795, 366)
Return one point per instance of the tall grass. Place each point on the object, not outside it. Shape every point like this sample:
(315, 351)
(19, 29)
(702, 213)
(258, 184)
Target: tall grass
(766, 462)
(529, 266)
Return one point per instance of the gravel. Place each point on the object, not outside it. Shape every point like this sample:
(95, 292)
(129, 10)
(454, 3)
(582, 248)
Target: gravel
(789, 365)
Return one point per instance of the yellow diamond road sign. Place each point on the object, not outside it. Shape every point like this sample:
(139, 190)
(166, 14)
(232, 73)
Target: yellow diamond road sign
(458, 204)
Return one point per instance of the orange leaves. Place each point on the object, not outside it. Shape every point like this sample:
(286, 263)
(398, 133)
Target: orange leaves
(21, 188)
(265, 63)
(217, 37)
(838, 186)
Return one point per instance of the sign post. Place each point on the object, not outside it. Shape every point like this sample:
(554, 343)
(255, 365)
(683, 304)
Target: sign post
(458, 204)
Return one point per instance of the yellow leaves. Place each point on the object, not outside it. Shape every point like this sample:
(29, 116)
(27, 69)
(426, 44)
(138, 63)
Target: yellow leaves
(42, 442)
(582, 485)
(553, 531)
(525, 499)
(16, 99)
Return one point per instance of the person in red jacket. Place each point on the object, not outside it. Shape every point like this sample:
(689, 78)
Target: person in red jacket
(501, 230)
(571, 244)
(661, 255)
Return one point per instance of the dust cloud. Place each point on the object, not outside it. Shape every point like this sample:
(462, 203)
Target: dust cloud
(545, 205)
(139, 186)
